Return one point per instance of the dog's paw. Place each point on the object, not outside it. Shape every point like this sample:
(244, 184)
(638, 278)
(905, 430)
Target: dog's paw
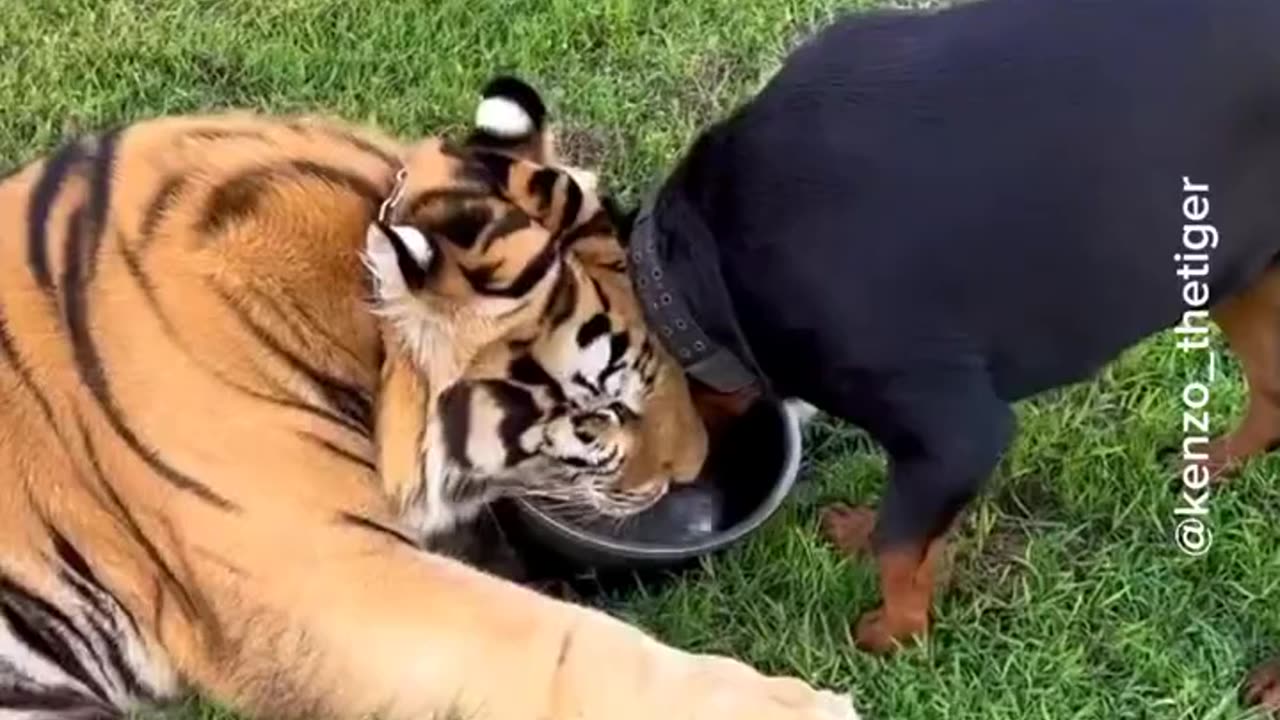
(881, 633)
(1223, 463)
(848, 528)
(1262, 688)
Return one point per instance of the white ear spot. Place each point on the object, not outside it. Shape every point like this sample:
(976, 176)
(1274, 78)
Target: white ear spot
(503, 117)
(415, 242)
(595, 356)
(380, 258)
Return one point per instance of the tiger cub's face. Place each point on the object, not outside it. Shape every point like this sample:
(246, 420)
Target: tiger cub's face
(504, 278)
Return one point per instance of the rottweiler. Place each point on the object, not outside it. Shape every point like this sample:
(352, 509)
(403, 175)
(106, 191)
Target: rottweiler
(924, 217)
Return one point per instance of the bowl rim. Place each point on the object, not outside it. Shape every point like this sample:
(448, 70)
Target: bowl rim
(792, 453)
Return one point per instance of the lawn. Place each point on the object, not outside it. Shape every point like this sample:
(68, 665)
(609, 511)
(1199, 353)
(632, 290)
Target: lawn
(1068, 597)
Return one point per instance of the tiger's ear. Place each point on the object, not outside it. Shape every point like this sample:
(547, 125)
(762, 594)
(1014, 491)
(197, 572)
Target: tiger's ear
(512, 118)
(400, 259)
(552, 196)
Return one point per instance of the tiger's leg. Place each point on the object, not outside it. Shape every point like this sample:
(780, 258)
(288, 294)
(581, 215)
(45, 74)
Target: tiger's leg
(70, 651)
(77, 617)
(1251, 322)
(356, 622)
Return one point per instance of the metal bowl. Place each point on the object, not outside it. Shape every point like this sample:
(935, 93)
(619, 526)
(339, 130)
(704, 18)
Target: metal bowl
(751, 468)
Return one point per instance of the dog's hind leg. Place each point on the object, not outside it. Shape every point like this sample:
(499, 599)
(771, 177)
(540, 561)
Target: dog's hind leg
(1251, 322)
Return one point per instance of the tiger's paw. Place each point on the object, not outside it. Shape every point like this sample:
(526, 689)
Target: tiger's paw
(720, 687)
(616, 672)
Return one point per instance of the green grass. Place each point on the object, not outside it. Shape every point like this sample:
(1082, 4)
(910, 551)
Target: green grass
(1068, 598)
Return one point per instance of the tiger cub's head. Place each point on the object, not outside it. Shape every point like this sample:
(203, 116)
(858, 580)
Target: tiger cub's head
(505, 280)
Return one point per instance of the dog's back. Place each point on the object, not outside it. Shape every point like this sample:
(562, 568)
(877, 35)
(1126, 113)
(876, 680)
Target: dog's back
(1020, 162)
(923, 218)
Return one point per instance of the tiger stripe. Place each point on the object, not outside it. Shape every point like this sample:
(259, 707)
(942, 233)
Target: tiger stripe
(337, 451)
(94, 376)
(52, 176)
(9, 352)
(168, 196)
(365, 523)
(350, 402)
(101, 166)
(148, 290)
(240, 196)
(119, 510)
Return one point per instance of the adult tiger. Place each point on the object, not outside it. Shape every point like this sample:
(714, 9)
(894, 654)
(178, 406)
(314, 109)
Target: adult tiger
(217, 462)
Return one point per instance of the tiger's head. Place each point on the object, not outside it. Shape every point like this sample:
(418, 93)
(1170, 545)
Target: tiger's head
(504, 279)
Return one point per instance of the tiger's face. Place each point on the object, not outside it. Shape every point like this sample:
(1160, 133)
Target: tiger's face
(505, 280)
(590, 409)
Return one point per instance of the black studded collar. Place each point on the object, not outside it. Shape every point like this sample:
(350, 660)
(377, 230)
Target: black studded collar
(670, 318)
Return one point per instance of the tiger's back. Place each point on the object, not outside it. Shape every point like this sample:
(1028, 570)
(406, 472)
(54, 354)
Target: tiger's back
(167, 360)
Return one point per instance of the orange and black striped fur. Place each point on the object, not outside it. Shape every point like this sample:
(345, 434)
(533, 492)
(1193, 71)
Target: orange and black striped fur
(223, 439)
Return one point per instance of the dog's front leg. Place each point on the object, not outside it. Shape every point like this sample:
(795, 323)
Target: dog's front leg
(945, 432)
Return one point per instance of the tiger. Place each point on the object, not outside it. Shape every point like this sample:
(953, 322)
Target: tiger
(251, 364)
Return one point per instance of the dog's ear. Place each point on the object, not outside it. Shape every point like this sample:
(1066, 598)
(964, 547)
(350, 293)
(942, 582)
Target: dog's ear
(623, 220)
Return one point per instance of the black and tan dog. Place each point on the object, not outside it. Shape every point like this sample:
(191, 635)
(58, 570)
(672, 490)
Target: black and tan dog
(923, 218)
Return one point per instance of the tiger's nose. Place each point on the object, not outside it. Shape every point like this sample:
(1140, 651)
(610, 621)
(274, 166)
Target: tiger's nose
(588, 427)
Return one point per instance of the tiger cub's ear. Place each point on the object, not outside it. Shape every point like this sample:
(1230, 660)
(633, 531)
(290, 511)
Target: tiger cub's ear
(512, 118)
(399, 257)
